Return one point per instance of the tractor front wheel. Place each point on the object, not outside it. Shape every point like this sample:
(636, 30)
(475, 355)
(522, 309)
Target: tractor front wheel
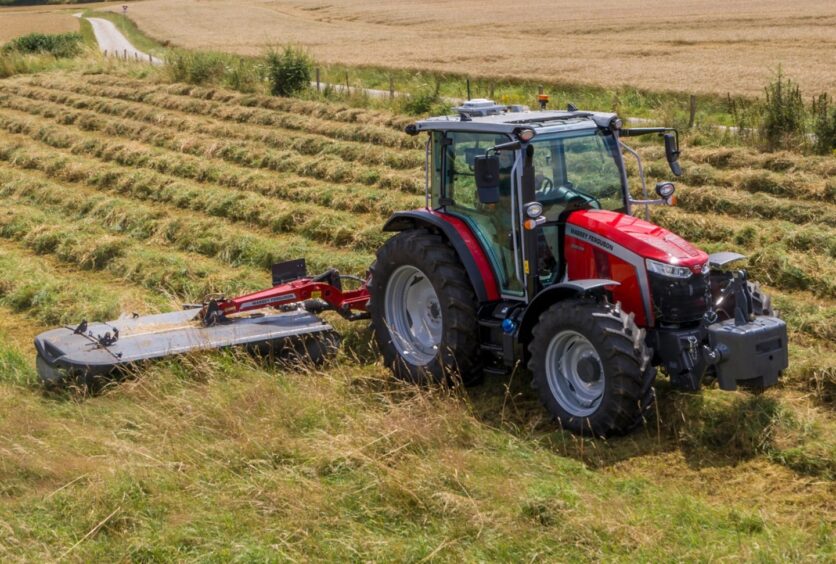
(591, 367)
(423, 309)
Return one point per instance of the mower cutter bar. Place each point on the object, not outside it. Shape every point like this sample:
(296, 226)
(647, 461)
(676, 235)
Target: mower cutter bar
(97, 349)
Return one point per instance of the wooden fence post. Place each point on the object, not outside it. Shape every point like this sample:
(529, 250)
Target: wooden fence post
(105, 53)
(347, 87)
(467, 83)
(125, 52)
(391, 88)
(150, 59)
(318, 90)
(693, 111)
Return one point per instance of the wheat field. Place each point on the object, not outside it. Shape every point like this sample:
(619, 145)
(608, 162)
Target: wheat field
(697, 46)
(20, 22)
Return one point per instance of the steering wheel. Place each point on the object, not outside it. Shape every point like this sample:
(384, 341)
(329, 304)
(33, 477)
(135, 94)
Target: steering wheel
(546, 189)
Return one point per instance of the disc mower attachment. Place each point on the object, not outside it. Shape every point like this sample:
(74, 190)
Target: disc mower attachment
(98, 349)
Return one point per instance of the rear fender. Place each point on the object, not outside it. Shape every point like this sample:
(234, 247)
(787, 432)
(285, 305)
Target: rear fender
(463, 241)
(553, 294)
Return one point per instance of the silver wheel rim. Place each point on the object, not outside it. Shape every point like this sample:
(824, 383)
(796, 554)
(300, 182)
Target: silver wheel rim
(575, 373)
(413, 315)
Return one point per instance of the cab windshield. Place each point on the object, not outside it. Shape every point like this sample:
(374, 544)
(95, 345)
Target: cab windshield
(577, 169)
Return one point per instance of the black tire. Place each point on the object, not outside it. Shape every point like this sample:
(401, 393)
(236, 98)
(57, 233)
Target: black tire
(623, 361)
(314, 350)
(458, 350)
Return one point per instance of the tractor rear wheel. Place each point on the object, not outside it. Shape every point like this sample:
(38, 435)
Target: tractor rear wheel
(591, 367)
(423, 309)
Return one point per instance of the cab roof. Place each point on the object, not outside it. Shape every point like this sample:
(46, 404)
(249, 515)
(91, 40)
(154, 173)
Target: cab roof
(542, 121)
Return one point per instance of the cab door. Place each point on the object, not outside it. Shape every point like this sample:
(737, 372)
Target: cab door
(497, 226)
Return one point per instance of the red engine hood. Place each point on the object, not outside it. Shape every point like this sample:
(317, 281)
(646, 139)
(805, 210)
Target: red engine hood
(641, 237)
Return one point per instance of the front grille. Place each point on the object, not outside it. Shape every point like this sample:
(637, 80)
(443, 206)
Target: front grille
(679, 300)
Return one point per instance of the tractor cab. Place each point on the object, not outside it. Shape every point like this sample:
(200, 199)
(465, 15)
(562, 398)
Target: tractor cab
(504, 170)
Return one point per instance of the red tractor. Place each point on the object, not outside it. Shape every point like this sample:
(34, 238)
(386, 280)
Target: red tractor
(526, 254)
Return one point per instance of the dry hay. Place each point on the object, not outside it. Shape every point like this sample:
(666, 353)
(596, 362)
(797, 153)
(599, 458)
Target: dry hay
(15, 24)
(692, 46)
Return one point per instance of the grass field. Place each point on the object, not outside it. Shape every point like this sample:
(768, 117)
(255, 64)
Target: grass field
(124, 195)
(696, 46)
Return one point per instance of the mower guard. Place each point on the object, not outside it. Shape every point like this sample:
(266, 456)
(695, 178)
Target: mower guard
(93, 351)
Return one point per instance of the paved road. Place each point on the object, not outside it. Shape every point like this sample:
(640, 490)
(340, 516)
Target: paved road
(113, 43)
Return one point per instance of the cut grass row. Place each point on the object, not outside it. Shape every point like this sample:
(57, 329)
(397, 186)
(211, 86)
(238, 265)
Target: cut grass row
(718, 228)
(288, 186)
(743, 205)
(748, 158)
(788, 185)
(211, 237)
(326, 168)
(171, 277)
(327, 110)
(720, 158)
(53, 294)
(313, 222)
(791, 186)
(284, 139)
(156, 96)
(779, 254)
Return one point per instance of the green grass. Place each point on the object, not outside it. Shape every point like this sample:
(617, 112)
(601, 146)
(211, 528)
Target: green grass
(626, 101)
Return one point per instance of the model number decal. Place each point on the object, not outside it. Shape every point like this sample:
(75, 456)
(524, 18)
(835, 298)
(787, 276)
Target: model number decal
(265, 301)
(590, 238)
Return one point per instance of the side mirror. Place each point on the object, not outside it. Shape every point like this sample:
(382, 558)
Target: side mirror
(486, 171)
(672, 153)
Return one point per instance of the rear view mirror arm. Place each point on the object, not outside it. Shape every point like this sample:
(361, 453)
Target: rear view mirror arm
(671, 143)
(644, 199)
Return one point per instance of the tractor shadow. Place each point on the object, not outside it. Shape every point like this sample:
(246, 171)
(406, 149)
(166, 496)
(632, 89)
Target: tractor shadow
(710, 429)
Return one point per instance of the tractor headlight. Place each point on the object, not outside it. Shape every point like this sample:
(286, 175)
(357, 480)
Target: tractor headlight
(669, 270)
(534, 210)
(525, 134)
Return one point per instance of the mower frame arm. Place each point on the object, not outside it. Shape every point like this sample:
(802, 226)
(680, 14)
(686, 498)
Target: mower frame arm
(350, 304)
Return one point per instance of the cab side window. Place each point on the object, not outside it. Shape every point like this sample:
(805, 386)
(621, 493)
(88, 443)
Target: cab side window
(492, 223)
